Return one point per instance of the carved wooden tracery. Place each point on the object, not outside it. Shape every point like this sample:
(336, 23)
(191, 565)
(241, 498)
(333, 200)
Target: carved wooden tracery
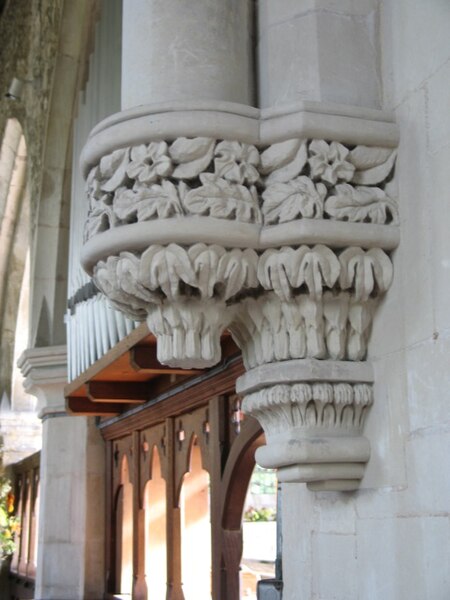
(278, 229)
(227, 455)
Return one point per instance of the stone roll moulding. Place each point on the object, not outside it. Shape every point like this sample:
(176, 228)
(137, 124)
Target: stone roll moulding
(277, 226)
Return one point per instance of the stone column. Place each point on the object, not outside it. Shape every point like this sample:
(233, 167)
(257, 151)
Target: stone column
(71, 495)
(276, 224)
(318, 50)
(175, 50)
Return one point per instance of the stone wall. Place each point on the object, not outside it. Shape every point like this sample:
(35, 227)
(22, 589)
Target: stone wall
(390, 540)
(29, 30)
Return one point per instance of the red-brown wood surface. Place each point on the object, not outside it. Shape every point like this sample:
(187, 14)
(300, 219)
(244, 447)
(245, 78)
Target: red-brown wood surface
(227, 447)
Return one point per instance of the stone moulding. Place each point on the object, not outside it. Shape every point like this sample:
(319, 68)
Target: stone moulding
(313, 415)
(275, 225)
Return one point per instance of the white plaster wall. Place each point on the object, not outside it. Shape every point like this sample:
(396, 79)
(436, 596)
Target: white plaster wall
(391, 540)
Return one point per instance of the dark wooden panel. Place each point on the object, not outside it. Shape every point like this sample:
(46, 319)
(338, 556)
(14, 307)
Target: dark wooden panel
(177, 401)
(130, 392)
(84, 407)
(143, 358)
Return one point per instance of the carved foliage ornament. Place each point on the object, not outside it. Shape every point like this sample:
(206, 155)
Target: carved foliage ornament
(293, 303)
(310, 405)
(299, 302)
(295, 179)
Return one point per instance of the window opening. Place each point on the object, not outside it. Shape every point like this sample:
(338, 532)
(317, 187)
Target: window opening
(259, 531)
(124, 521)
(196, 529)
(155, 530)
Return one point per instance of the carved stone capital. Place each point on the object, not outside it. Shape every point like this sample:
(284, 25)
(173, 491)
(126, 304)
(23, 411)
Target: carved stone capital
(45, 372)
(277, 226)
(313, 416)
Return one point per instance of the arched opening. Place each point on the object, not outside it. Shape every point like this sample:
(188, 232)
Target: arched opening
(18, 408)
(259, 530)
(193, 471)
(25, 527)
(14, 241)
(196, 528)
(236, 478)
(124, 532)
(155, 531)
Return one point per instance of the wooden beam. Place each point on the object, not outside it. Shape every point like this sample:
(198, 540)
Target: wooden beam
(136, 336)
(178, 401)
(79, 405)
(143, 358)
(123, 392)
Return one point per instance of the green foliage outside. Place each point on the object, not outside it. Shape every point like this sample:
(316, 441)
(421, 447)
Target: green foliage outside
(263, 481)
(9, 523)
(260, 515)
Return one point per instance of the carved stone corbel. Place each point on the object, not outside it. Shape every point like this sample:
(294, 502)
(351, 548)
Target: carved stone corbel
(313, 415)
(277, 227)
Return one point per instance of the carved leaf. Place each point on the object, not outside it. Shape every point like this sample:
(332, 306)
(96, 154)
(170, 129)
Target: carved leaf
(165, 267)
(115, 278)
(361, 204)
(372, 164)
(290, 169)
(127, 272)
(335, 310)
(365, 271)
(223, 200)
(275, 271)
(205, 260)
(104, 275)
(113, 170)
(316, 268)
(97, 222)
(237, 269)
(367, 157)
(148, 202)
(382, 268)
(279, 155)
(287, 269)
(285, 202)
(192, 155)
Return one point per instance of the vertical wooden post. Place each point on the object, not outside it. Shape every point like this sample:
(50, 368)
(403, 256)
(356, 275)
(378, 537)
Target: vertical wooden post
(24, 521)
(110, 525)
(174, 583)
(31, 559)
(139, 584)
(217, 443)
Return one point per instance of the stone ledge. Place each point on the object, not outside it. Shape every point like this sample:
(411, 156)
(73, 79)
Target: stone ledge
(45, 372)
(227, 120)
(304, 370)
(208, 230)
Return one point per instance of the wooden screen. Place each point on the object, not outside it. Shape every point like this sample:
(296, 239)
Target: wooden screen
(26, 475)
(188, 476)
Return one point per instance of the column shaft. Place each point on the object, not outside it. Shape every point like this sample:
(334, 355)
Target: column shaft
(175, 50)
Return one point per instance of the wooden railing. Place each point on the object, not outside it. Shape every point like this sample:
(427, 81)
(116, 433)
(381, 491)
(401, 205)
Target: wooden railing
(23, 565)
